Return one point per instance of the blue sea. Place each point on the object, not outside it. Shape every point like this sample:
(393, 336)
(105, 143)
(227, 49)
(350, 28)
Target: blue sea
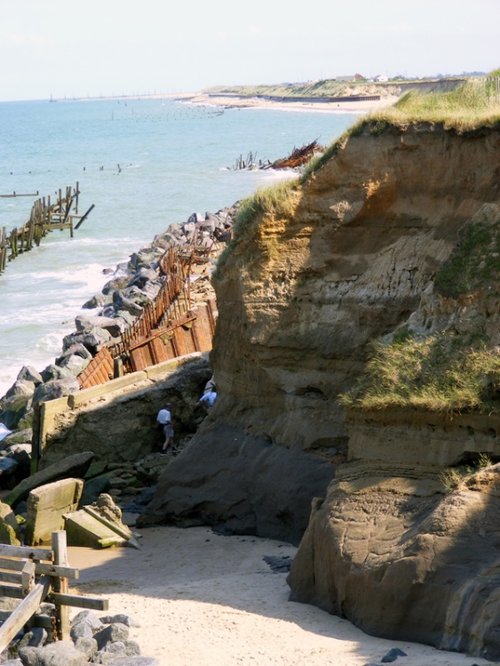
(144, 164)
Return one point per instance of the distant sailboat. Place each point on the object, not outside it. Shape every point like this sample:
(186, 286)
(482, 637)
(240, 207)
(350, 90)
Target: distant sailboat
(52, 99)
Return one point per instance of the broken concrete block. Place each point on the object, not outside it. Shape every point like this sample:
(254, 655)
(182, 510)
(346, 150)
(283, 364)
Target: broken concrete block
(47, 506)
(82, 529)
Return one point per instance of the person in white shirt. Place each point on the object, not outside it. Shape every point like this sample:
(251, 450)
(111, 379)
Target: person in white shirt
(164, 418)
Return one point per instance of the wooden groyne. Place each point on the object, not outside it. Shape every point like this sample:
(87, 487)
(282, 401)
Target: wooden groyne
(167, 328)
(46, 215)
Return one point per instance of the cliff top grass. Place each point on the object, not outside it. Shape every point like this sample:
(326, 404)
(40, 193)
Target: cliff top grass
(471, 105)
(474, 104)
(440, 373)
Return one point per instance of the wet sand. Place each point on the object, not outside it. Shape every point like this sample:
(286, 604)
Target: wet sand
(212, 600)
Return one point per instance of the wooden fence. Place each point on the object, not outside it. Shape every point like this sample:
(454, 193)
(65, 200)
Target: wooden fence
(46, 215)
(36, 575)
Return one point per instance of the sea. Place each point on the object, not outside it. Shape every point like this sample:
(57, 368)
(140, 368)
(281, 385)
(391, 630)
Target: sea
(144, 164)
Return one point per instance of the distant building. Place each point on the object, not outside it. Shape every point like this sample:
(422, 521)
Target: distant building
(381, 78)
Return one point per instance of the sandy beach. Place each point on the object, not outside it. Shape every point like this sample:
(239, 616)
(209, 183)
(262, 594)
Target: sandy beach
(360, 107)
(212, 600)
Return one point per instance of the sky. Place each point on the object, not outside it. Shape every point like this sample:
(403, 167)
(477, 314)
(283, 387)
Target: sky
(112, 47)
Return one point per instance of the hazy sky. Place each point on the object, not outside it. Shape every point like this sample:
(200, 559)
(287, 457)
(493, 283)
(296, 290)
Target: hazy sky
(95, 47)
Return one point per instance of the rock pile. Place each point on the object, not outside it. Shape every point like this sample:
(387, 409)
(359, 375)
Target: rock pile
(94, 640)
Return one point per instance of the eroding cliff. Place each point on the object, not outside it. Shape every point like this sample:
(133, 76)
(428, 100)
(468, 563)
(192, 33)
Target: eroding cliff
(369, 252)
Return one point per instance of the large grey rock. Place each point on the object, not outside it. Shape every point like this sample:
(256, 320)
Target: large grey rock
(21, 387)
(30, 374)
(14, 408)
(244, 484)
(112, 633)
(87, 645)
(87, 323)
(71, 466)
(54, 371)
(57, 388)
(76, 349)
(92, 340)
(122, 303)
(60, 653)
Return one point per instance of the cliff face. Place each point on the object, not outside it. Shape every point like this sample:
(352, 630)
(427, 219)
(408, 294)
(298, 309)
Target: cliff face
(352, 260)
(318, 275)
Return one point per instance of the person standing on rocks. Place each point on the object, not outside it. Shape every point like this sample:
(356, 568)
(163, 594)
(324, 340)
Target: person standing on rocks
(164, 418)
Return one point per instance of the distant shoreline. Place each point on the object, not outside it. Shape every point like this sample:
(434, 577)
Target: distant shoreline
(237, 101)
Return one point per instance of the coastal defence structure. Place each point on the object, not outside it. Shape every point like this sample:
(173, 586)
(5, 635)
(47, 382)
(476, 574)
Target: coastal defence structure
(46, 215)
(168, 327)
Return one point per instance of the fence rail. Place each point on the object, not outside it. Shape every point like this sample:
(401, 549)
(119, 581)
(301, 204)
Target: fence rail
(40, 574)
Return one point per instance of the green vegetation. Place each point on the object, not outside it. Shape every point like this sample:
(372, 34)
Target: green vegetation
(321, 88)
(474, 262)
(438, 373)
(471, 105)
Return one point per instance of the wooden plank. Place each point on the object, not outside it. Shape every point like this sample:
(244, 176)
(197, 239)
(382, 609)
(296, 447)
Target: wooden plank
(40, 568)
(18, 618)
(11, 591)
(11, 577)
(60, 584)
(92, 603)
(27, 552)
(28, 576)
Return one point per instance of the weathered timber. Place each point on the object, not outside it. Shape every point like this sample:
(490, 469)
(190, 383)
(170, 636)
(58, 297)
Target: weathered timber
(45, 216)
(23, 612)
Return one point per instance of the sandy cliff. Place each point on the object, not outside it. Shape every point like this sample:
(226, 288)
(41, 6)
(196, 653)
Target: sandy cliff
(316, 274)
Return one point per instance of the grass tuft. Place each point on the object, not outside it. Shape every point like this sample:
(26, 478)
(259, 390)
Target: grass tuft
(441, 373)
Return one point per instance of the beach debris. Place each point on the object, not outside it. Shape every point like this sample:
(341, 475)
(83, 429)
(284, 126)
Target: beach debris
(297, 158)
(47, 506)
(74, 465)
(99, 525)
(392, 655)
(278, 563)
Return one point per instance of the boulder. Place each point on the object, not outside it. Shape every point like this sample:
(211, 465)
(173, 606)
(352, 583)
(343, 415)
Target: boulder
(87, 323)
(122, 303)
(54, 371)
(71, 466)
(30, 374)
(60, 653)
(9, 528)
(14, 408)
(76, 349)
(21, 387)
(57, 388)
